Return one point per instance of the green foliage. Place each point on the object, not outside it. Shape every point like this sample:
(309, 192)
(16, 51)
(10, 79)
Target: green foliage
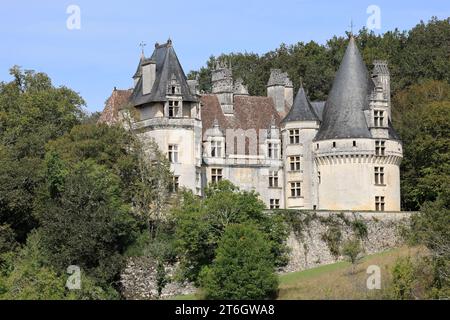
(431, 228)
(352, 250)
(28, 278)
(200, 224)
(403, 280)
(88, 224)
(359, 228)
(243, 267)
(32, 112)
(7, 239)
(412, 56)
(422, 116)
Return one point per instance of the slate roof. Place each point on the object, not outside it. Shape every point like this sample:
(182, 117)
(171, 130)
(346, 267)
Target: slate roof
(343, 116)
(167, 67)
(301, 109)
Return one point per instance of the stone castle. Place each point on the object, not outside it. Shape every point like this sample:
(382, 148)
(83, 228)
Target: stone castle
(339, 154)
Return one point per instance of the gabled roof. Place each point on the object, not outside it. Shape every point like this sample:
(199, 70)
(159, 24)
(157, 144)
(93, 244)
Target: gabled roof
(168, 67)
(301, 109)
(343, 116)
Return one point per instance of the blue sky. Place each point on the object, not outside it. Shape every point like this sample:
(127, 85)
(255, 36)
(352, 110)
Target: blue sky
(105, 51)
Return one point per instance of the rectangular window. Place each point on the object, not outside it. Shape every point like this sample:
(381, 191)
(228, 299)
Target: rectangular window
(173, 153)
(295, 189)
(175, 184)
(294, 163)
(272, 150)
(378, 118)
(380, 147)
(379, 203)
(273, 179)
(216, 149)
(274, 203)
(173, 109)
(379, 175)
(216, 175)
(294, 136)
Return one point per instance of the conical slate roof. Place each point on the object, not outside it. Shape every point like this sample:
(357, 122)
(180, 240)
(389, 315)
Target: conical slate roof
(301, 109)
(167, 68)
(343, 116)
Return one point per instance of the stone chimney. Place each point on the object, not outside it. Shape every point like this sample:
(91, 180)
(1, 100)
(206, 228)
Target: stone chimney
(280, 89)
(222, 86)
(148, 75)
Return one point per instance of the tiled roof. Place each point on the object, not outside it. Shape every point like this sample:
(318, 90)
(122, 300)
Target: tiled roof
(250, 112)
(117, 100)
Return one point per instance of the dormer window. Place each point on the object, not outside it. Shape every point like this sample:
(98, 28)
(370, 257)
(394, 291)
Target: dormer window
(216, 149)
(378, 118)
(273, 150)
(174, 108)
(173, 89)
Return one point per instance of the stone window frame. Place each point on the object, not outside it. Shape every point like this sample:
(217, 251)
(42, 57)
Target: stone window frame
(378, 118)
(379, 176)
(216, 149)
(296, 189)
(273, 179)
(294, 136)
(380, 147)
(273, 150)
(379, 203)
(173, 153)
(295, 163)
(174, 106)
(216, 175)
(175, 185)
(274, 203)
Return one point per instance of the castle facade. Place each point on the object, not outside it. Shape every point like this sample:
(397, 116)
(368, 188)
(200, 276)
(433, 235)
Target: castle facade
(339, 154)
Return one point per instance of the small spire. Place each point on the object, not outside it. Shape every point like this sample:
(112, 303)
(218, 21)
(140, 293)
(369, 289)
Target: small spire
(301, 82)
(169, 41)
(351, 29)
(142, 45)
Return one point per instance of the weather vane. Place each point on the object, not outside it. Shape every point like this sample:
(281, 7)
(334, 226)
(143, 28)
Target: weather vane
(142, 45)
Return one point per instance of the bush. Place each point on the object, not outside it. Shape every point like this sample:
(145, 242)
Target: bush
(243, 267)
(403, 278)
(352, 250)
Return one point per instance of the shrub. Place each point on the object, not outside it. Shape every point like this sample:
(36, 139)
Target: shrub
(243, 267)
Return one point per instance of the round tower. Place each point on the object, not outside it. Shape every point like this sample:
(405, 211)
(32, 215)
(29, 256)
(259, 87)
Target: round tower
(356, 151)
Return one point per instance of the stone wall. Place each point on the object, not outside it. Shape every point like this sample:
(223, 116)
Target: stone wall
(138, 281)
(309, 249)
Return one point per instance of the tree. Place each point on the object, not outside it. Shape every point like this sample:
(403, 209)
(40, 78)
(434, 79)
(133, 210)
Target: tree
(352, 250)
(200, 224)
(32, 112)
(243, 267)
(422, 116)
(88, 224)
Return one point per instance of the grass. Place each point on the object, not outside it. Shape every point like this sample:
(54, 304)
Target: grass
(335, 281)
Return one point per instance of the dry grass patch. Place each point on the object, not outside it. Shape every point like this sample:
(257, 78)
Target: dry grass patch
(335, 281)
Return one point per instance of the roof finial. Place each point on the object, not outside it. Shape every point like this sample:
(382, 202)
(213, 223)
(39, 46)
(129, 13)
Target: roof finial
(169, 41)
(351, 28)
(301, 82)
(142, 45)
